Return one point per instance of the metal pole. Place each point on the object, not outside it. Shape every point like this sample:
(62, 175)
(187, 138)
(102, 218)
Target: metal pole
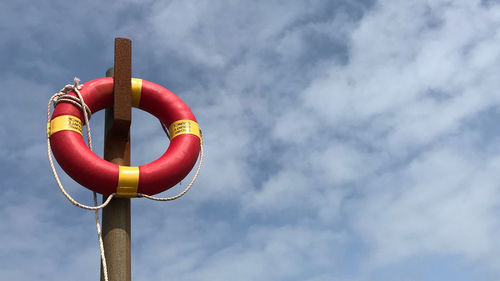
(116, 216)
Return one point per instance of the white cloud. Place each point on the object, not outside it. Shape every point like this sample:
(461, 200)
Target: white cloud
(216, 33)
(398, 64)
(272, 253)
(444, 202)
(415, 86)
(411, 81)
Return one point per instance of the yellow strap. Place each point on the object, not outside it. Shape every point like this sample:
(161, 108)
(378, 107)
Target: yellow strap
(128, 180)
(181, 127)
(64, 122)
(136, 92)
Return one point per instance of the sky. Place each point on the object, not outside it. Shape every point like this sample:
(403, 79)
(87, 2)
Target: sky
(344, 140)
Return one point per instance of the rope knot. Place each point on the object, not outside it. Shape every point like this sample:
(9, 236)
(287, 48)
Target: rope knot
(63, 96)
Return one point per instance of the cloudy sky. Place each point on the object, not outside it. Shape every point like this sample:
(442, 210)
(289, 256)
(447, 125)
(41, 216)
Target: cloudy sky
(345, 140)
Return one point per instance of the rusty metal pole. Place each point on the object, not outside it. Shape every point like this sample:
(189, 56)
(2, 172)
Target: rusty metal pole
(116, 216)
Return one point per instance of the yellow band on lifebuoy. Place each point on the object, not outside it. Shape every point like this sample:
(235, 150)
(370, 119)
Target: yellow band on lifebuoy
(64, 122)
(128, 180)
(181, 127)
(136, 92)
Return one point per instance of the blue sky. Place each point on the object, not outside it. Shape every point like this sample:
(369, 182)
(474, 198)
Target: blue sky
(345, 140)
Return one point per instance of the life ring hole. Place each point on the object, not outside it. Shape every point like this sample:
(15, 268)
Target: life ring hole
(146, 137)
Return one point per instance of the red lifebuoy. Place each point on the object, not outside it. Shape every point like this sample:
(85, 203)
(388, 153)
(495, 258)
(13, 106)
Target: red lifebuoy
(99, 175)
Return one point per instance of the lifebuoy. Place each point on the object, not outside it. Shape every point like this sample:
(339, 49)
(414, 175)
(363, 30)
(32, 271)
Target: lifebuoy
(99, 175)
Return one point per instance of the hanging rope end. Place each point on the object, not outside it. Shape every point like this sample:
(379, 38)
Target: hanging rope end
(76, 83)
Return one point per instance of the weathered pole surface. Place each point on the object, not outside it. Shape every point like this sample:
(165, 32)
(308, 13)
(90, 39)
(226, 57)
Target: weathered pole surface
(116, 216)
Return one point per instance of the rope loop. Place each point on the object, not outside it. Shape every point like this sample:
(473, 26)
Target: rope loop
(63, 96)
(186, 189)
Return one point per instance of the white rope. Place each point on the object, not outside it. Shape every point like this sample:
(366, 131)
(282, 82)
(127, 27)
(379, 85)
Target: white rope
(63, 96)
(73, 201)
(185, 190)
